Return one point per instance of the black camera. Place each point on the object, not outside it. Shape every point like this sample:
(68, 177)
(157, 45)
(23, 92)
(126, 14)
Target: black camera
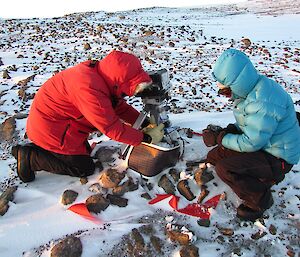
(160, 85)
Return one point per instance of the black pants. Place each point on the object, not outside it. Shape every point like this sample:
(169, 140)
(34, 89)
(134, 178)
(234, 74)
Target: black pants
(250, 175)
(73, 165)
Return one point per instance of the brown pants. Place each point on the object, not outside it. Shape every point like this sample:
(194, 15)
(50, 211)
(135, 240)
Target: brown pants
(250, 175)
(73, 165)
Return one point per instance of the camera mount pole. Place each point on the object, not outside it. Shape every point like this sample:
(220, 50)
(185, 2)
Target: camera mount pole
(137, 124)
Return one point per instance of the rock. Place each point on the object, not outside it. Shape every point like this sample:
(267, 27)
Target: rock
(202, 177)
(110, 178)
(127, 186)
(246, 42)
(171, 44)
(175, 174)
(138, 239)
(258, 235)
(166, 184)
(5, 75)
(226, 231)
(83, 180)
(105, 154)
(147, 229)
(8, 194)
(96, 203)
(68, 197)
(87, 46)
(204, 192)
(189, 251)
(7, 129)
(97, 188)
(146, 196)
(179, 237)
(117, 200)
(5, 198)
(157, 243)
(70, 246)
(203, 222)
(272, 229)
(24, 82)
(184, 189)
(3, 207)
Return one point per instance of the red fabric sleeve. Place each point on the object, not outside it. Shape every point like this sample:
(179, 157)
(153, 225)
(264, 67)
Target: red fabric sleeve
(126, 112)
(97, 108)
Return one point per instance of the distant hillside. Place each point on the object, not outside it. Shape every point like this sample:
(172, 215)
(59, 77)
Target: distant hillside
(272, 7)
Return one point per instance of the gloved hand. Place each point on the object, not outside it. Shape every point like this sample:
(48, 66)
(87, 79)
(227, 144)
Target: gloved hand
(210, 134)
(156, 133)
(220, 137)
(232, 129)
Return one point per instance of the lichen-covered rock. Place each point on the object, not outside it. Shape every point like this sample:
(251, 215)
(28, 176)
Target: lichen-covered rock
(110, 178)
(184, 189)
(138, 239)
(7, 129)
(6, 196)
(189, 251)
(68, 197)
(125, 187)
(96, 203)
(117, 200)
(167, 185)
(69, 247)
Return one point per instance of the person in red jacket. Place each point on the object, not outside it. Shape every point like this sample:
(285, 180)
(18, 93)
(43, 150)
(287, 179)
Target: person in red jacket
(76, 102)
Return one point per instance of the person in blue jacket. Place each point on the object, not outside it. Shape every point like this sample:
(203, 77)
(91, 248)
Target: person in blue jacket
(263, 145)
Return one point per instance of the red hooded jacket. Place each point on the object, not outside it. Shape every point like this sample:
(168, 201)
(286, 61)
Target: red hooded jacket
(86, 98)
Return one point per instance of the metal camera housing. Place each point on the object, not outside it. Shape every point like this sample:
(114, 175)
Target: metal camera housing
(160, 85)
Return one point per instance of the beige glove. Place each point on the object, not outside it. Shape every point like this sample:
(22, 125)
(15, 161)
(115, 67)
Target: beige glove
(156, 133)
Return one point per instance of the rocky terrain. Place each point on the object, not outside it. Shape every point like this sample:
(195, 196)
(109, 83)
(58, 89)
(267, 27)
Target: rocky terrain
(186, 42)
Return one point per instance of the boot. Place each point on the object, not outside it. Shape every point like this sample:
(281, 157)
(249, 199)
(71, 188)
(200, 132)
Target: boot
(23, 163)
(244, 212)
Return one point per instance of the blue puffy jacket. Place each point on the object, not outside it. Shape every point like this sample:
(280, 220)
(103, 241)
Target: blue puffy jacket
(264, 112)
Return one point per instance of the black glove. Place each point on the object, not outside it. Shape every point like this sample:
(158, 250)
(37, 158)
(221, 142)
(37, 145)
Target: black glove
(232, 129)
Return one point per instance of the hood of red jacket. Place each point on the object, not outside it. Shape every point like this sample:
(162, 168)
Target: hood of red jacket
(122, 72)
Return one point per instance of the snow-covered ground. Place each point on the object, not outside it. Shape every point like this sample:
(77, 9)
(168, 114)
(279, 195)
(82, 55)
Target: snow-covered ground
(186, 42)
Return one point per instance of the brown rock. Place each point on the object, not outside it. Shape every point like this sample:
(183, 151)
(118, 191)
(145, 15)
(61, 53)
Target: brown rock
(179, 237)
(83, 180)
(5, 75)
(166, 184)
(272, 229)
(246, 42)
(174, 173)
(68, 197)
(204, 192)
(87, 46)
(258, 235)
(127, 186)
(157, 243)
(70, 246)
(138, 239)
(105, 154)
(117, 200)
(96, 203)
(110, 178)
(184, 189)
(226, 231)
(202, 177)
(7, 129)
(203, 222)
(189, 251)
